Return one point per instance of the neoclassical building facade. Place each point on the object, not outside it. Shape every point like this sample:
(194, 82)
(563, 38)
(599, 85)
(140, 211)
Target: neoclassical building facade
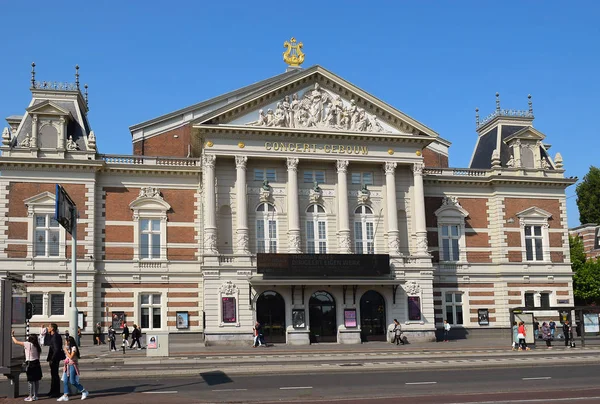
(300, 201)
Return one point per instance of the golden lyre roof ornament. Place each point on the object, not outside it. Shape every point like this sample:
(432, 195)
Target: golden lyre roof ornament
(293, 55)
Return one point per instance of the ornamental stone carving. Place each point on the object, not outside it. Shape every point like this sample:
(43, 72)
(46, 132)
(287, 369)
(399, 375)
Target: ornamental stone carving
(345, 243)
(315, 193)
(450, 201)
(210, 243)
(417, 168)
(149, 192)
(240, 162)
(363, 195)
(394, 244)
(228, 289)
(27, 142)
(294, 242)
(208, 160)
(5, 137)
(390, 167)
(342, 166)
(412, 288)
(265, 191)
(242, 243)
(92, 141)
(71, 145)
(422, 243)
(292, 164)
(318, 109)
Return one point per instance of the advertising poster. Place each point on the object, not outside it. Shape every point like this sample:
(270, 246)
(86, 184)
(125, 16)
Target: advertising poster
(228, 306)
(118, 320)
(590, 322)
(298, 318)
(350, 318)
(183, 320)
(152, 342)
(414, 308)
(483, 316)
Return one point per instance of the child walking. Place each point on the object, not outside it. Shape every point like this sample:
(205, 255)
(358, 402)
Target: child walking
(32, 358)
(71, 370)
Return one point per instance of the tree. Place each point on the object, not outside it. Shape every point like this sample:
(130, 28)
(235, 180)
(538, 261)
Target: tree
(588, 197)
(586, 283)
(578, 256)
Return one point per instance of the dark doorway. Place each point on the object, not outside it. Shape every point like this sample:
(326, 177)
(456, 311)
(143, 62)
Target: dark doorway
(270, 313)
(372, 316)
(323, 324)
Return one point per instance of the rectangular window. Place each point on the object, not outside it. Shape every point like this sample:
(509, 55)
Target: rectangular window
(450, 237)
(57, 304)
(311, 176)
(363, 238)
(529, 300)
(37, 301)
(454, 312)
(362, 178)
(150, 313)
(47, 235)
(266, 242)
(545, 300)
(150, 238)
(316, 241)
(261, 174)
(534, 251)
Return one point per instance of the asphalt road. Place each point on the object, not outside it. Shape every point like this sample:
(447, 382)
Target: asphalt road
(540, 384)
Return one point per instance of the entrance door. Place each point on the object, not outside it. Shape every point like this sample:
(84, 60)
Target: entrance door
(372, 316)
(323, 324)
(270, 313)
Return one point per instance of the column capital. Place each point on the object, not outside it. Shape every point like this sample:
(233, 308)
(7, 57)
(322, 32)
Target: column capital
(390, 167)
(34, 118)
(240, 162)
(417, 168)
(208, 160)
(342, 166)
(292, 163)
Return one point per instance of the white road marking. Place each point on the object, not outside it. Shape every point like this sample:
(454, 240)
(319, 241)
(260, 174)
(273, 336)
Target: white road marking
(422, 383)
(231, 390)
(160, 392)
(295, 388)
(537, 378)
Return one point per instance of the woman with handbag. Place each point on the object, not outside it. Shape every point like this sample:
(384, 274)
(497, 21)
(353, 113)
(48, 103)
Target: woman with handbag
(71, 370)
(522, 334)
(32, 364)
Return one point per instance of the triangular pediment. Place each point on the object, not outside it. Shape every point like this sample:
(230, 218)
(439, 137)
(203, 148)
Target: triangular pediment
(45, 198)
(534, 213)
(527, 133)
(315, 100)
(47, 108)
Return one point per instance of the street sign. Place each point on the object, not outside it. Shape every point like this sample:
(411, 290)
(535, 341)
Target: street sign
(65, 209)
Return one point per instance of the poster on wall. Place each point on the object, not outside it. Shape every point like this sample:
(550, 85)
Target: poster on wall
(298, 318)
(414, 308)
(183, 322)
(80, 320)
(590, 323)
(228, 307)
(152, 342)
(483, 316)
(118, 320)
(350, 318)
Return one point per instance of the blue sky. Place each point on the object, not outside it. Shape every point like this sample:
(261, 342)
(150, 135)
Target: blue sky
(434, 60)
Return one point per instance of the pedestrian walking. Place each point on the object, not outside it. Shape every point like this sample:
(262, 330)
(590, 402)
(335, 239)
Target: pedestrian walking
(536, 329)
(125, 334)
(98, 334)
(33, 369)
(397, 333)
(567, 333)
(136, 334)
(515, 339)
(546, 335)
(522, 335)
(55, 355)
(112, 336)
(447, 328)
(258, 335)
(71, 370)
(552, 326)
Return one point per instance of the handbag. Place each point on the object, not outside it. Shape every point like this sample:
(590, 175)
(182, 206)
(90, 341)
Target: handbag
(521, 336)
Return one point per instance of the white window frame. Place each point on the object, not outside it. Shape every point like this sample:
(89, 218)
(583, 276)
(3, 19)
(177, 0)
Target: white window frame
(150, 232)
(64, 295)
(452, 214)
(454, 304)
(314, 220)
(263, 173)
(314, 176)
(47, 228)
(151, 306)
(42, 306)
(269, 243)
(46, 315)
(535, 216)
(364, 219)
(151, 208)
(597, 239)
(42, 204)
(362, 181)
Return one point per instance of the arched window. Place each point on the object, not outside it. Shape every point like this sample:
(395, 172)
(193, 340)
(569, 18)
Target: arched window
(364, 230)
(266, 228)
(316, 230)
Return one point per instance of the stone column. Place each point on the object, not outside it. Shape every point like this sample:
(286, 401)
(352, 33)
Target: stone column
(293, 211)
(241, 234)
(419, 203)
(34, 132)
(392, 210)
(345, 246)
(210, 204)
(61, 133)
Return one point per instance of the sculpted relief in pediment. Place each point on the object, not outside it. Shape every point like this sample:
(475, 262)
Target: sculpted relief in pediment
(319, 109)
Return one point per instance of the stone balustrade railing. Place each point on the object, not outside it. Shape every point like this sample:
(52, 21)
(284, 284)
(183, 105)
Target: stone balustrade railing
(147, 160)
(458, 172)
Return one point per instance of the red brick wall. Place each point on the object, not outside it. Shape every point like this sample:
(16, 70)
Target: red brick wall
(477, 208)
(122, 234)
(181, 235)
(477, 239)
(165, 144)
(434, 159)
(512, 206)
(117, 202)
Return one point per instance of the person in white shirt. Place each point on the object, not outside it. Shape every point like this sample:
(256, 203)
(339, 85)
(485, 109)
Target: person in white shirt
(446, 330)
(32, 359)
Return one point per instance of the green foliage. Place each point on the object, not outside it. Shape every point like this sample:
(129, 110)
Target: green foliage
(578, 256)
(588, 197)
(586, 282)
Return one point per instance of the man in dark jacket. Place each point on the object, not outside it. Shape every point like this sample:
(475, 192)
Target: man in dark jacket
(136, 334)
(55, 355)
(567, 333)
